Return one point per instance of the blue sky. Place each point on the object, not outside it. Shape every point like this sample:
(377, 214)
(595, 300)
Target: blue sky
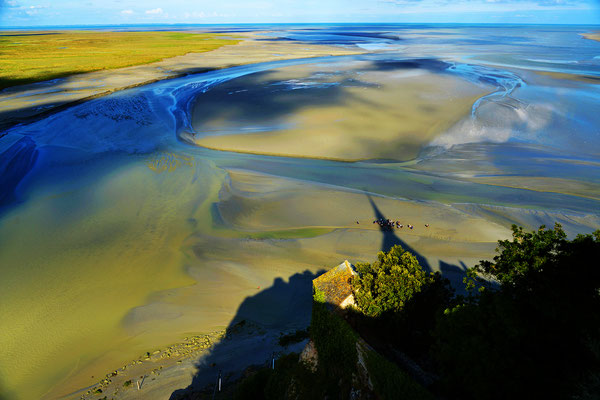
(84, 12)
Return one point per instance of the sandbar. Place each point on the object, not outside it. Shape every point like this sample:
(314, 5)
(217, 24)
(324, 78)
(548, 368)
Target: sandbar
(571, 187)
(571, 77)
(592, 36)
(355, 113)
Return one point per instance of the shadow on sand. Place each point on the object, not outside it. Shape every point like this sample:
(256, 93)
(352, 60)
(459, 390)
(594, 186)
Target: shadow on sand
(454, 273)
(252, 337)
(390, 239)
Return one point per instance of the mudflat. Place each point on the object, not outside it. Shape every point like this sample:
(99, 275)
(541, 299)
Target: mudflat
(24, 102)
(350, 111)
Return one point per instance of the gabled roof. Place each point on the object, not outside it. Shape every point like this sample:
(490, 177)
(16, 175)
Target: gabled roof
(335, 284)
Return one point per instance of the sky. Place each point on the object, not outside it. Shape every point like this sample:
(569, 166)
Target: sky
(30, 13)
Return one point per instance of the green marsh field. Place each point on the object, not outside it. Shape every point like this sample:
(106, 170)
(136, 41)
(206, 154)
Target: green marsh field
(27, 57)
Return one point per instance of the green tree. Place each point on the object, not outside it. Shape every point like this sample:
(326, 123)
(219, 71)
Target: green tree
(398, 301)
(536, 332)
(389, 283)
(526, 255)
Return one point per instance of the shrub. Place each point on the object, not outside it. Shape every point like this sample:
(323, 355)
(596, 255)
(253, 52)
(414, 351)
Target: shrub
(388, 283)
(335, 342)
(298, 336)
(390, 382)
(289, 379)
(399, 301)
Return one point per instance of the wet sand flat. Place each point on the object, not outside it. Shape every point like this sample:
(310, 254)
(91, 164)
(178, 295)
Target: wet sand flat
(357, 113)
(63, 276)
(573, 77)
(249, 202)
(222, 266)
(230, 270)
(544, 184)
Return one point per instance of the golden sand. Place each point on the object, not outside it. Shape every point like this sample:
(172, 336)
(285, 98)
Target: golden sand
(390, 115)
(592, 36)
(71, 280)
(144, 258)
(249, 202)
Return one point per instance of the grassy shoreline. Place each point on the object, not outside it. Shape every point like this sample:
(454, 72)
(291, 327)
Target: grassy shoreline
(23, 105)
(28, 58)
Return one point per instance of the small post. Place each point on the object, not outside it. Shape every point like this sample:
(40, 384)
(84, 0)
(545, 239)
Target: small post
(139, 384)
(217, 385)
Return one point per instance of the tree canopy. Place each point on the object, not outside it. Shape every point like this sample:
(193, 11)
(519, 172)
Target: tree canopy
(534, 334)
(388, 283)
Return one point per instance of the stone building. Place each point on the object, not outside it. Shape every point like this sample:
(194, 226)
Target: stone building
(335, 285)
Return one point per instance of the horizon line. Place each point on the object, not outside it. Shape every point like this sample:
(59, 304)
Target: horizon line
(289, 23)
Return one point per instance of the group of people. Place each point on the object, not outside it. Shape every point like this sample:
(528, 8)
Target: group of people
(391, 224)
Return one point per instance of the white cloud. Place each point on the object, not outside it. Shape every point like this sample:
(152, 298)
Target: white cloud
(194, 14)
(127, 12)
(154, 11)
(32, 10)
(521, 4)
